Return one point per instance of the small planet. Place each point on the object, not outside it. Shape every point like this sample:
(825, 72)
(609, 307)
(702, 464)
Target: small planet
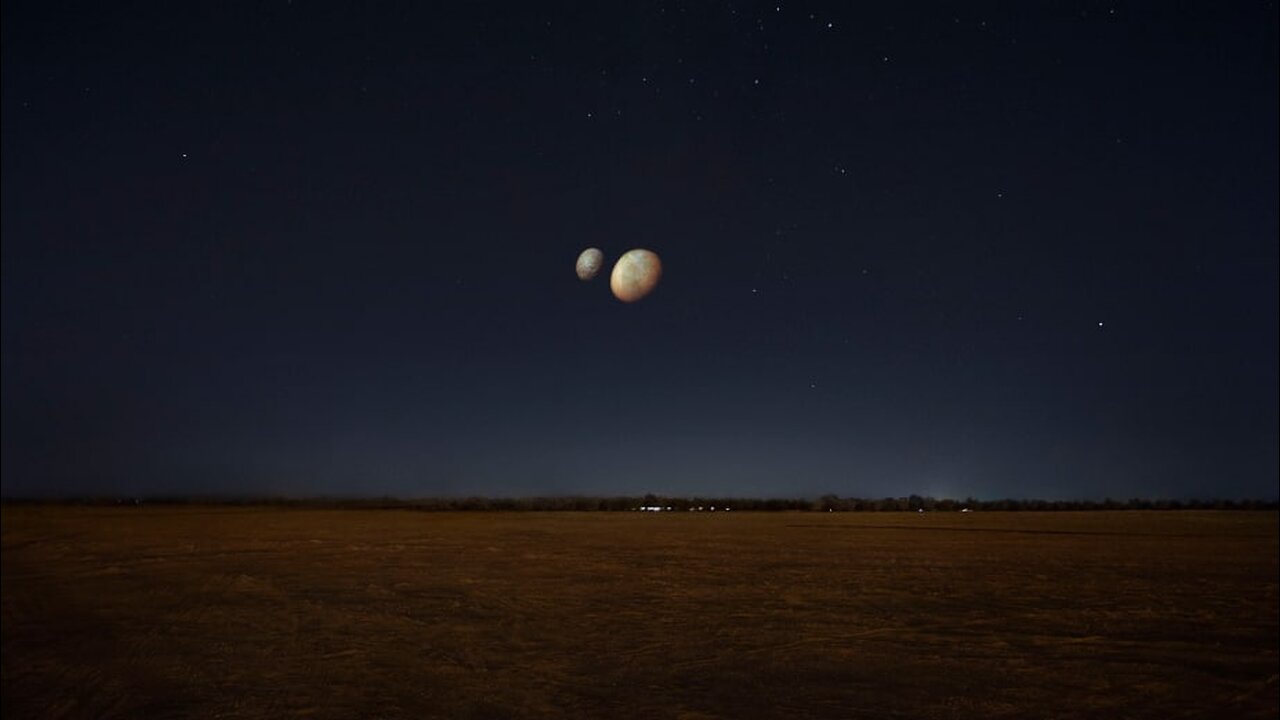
(635, 275)
(589, 263)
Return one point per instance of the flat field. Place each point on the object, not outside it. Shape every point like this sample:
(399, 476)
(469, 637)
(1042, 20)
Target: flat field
(269, 613)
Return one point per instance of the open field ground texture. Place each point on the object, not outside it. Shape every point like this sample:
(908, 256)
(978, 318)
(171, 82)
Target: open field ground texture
(266, 613)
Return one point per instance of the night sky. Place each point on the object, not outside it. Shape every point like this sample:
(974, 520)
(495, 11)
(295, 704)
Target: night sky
(1004, 250)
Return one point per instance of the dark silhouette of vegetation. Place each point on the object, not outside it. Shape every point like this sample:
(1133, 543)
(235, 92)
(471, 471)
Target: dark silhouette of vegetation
(825, 503)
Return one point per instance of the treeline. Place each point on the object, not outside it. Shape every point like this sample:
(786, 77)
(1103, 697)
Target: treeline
(916, 503)
(826, 503)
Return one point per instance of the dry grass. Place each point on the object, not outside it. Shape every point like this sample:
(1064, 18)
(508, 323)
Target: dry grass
(264, 613)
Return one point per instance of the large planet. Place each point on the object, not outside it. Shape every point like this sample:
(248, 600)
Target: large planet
(635, 275)
(589, 263)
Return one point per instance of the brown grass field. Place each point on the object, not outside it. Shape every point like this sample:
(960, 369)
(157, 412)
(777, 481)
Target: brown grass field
(266, 613)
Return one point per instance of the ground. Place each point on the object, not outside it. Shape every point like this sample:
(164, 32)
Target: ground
(266, 613)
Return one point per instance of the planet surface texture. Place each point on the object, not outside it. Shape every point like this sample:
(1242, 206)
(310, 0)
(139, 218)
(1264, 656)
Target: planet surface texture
(635, 275)
(589, 263)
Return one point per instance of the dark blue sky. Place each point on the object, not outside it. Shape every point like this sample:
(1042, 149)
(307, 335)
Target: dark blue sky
(949, 249)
